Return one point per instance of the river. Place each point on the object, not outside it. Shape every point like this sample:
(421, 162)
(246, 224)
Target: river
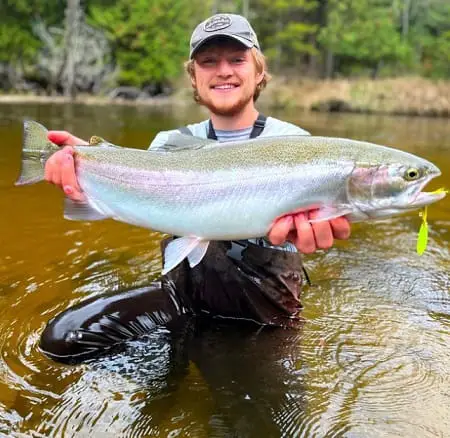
(373, 358)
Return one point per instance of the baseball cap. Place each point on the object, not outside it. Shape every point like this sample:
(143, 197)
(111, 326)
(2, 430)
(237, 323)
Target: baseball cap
(228, 25)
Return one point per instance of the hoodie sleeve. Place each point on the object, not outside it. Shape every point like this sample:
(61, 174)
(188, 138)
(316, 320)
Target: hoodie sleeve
(197, 130)
(275, 127)
(160, 140)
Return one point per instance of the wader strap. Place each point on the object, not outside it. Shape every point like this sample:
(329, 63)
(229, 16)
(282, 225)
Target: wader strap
(211, 133)
(258, 127)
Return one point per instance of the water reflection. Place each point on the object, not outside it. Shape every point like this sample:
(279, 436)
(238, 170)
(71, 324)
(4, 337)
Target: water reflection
(372, 359)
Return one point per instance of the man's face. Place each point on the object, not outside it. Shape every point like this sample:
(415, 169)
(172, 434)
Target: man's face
(225, 76)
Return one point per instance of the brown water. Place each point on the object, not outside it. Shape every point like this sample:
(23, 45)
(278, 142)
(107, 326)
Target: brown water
(373, 359)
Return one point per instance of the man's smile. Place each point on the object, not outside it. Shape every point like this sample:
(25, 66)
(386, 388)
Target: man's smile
(225, 87)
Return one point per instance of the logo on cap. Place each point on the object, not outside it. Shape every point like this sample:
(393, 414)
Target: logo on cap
(218, 22)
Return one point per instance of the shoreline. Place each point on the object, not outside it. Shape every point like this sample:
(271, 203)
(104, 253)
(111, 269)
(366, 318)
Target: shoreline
(400, 96)
(412, 96)
(83, 100)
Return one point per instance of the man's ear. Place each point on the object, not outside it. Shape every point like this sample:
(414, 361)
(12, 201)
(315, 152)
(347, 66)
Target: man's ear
(192, 76)
(260, 77)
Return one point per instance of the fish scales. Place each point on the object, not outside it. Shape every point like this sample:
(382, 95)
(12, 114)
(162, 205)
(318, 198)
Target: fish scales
(221, 203)
(283, 150)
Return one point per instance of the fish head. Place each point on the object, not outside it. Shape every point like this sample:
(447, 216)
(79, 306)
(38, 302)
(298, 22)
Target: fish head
(391, 189)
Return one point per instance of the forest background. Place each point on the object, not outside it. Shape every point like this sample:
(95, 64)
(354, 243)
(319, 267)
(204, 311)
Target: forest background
(136, 49)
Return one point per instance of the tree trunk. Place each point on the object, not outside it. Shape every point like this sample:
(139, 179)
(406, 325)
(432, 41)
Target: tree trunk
(278, 49)
(377, 68)
(326, 69)
(71, 37)
(405, 18)
(245, 8)
(329, 65)
(214, 7)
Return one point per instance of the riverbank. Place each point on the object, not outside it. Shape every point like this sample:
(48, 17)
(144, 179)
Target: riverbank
(84, 99)
(399, 96)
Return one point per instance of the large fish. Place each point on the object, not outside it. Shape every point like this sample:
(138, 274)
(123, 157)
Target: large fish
(205, 191)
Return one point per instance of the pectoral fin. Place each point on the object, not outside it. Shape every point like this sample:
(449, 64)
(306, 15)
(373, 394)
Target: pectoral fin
(328, 212)
(81, 211)
(176, 251)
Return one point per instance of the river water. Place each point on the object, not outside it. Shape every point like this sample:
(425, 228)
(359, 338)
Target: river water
(373, 358)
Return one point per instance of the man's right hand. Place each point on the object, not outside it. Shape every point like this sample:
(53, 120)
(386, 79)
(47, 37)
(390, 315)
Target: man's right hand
(60, 167)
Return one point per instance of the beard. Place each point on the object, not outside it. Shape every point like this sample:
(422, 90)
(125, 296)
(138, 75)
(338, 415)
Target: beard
(224, 107)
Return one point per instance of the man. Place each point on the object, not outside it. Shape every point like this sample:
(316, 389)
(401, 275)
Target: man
(258, 280)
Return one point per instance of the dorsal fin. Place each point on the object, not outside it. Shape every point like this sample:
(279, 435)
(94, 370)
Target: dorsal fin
(182, 142)
(99, 141)
(96, 140)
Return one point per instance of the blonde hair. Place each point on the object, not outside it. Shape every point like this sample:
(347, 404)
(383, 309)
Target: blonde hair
(261, 66)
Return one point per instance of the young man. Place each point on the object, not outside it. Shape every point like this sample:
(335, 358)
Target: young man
(258, 280)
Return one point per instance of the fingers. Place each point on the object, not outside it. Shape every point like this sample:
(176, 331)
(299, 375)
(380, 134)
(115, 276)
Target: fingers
(64, 138)
(309, 237)
(60, 167)
(60, 170)
(69, 180)
(280, 230)
(340, 227)
(52, 171)
(305, 239)
(323, 233)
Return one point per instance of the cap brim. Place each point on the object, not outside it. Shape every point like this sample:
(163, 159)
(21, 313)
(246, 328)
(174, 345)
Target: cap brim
(247, 43)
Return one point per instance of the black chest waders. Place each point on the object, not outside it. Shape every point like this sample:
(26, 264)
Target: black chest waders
(235, 280)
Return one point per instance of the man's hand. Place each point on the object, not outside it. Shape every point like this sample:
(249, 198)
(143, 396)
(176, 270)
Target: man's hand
(60, 167)
(308, 237)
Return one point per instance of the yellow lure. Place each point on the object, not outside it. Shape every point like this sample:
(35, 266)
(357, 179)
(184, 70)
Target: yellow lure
(422, 238)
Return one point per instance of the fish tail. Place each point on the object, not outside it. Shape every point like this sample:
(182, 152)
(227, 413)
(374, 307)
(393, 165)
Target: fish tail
(36, 148)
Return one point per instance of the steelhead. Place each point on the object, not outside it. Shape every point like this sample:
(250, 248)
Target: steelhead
(206, 191)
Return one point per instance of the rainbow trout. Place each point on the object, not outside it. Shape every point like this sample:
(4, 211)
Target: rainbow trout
(205, 191)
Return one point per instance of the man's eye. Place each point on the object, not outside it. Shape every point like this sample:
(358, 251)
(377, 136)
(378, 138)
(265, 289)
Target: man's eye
(208, 61)
(238, 60)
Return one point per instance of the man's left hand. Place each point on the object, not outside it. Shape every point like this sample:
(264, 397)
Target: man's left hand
(308, 237)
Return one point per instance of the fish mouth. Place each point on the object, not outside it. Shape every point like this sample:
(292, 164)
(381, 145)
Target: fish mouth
(426, 198)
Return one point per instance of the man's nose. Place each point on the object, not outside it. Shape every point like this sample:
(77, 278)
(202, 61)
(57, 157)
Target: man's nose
(224, 68)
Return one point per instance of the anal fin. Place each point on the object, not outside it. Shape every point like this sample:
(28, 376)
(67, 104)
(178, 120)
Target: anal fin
(178, 249)
(197, 254)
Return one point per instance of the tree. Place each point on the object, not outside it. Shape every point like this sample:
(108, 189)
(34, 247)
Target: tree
(363, 32)
(76, 44)
(428, 27)
(150, 39)
(286, 31)
(18, 44)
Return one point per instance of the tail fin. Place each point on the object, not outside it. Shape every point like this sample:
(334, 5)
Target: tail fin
(36, 149)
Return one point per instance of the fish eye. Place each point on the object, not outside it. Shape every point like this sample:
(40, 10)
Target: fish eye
(412, 174)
